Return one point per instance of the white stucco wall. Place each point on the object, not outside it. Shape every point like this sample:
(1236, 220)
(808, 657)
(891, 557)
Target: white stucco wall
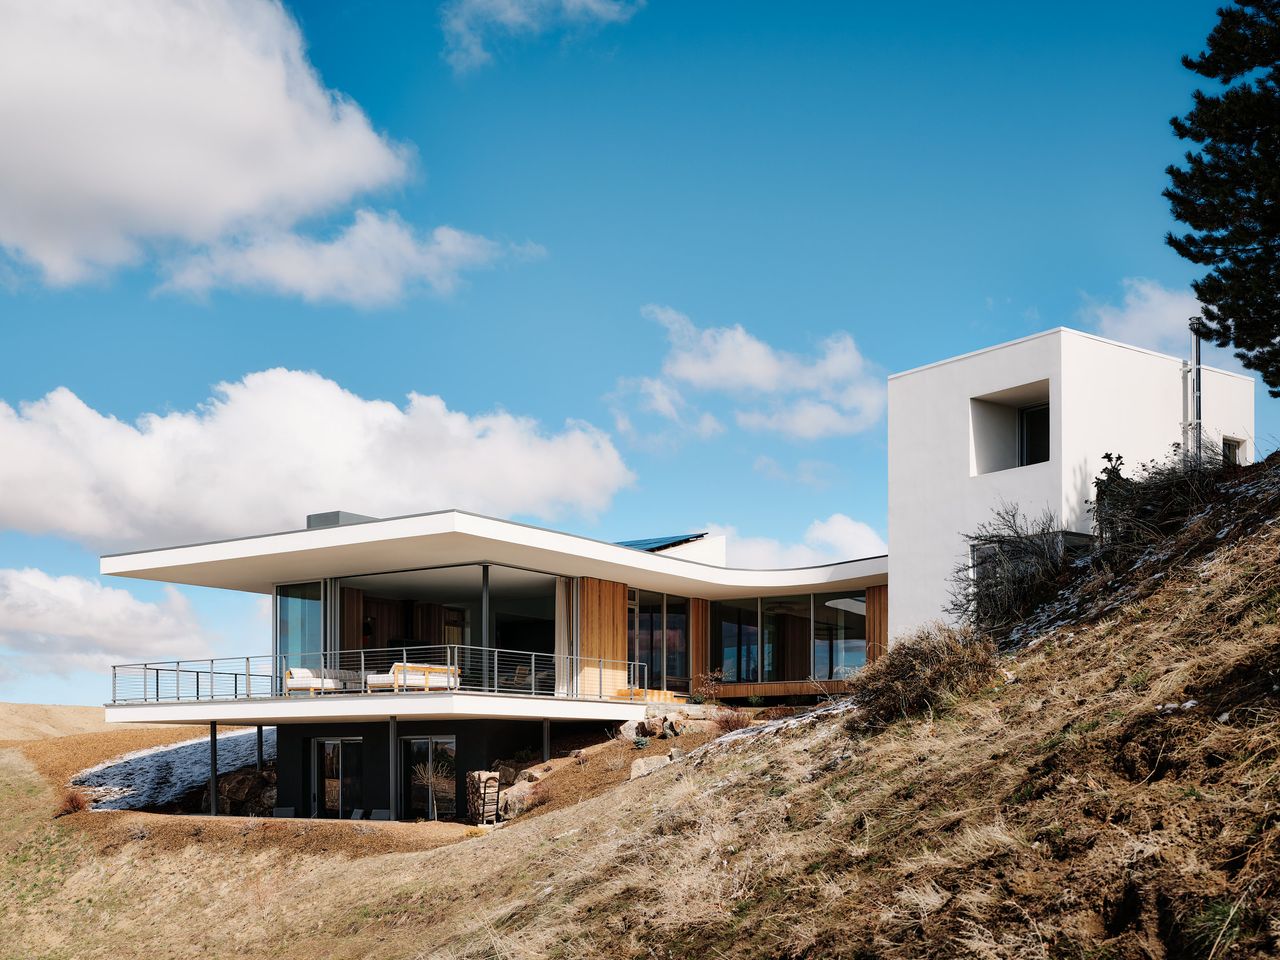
(1104, 397)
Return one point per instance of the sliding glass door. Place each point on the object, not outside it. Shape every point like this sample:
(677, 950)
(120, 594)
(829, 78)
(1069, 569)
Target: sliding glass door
(339, 786)
(429, 774)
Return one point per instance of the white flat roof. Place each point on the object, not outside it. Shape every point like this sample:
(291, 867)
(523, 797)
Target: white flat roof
(368, 707)
(1059, 331)
(447, 537)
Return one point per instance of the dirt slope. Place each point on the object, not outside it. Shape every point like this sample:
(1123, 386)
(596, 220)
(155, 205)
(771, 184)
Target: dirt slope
(35, 721)
(1118, 798)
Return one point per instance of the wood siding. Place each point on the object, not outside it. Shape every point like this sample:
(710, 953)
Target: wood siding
(877, 622)
(699, 638)
(351, 618)
(602, 636)
(782, 688)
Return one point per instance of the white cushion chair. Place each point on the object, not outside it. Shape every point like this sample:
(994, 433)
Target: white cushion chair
(415, 676)
(313, 681)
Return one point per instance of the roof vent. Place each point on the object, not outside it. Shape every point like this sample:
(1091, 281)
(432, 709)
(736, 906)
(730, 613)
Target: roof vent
(335, 518)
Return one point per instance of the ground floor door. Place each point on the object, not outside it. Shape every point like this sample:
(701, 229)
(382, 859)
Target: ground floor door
(429, 778)
(339, 784)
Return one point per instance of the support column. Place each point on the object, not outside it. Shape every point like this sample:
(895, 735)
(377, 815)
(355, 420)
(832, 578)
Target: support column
(546, 740)
(213, 768)
(394, 802)
(259, 748)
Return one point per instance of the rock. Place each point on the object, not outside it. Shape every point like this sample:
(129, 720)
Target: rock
(506, 775)
(529, 776)
(575, 754)
(651, 727)
(674, 754)
(629, 730)
(516, 799)
(673, 725)
(643, 766)
(700, 726)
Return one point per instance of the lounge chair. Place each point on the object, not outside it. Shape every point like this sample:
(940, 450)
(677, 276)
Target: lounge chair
(415, 676)
(313, 681)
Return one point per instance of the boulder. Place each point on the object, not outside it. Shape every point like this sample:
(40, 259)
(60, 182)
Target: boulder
(575, 754)
(516, 799)
(629, 730)
(650, 727)
(673, 725)
(529, 776)
(643, 766)
(506, 775)
(700, 726)
(674, 754)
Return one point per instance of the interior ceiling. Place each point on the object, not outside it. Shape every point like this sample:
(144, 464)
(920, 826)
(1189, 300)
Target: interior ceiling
(454, 584)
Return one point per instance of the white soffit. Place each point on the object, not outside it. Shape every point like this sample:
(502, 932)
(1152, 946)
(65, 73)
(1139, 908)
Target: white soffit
(255, 564)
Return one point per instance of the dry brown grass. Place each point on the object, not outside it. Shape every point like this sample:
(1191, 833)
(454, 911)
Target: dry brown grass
(921, 673)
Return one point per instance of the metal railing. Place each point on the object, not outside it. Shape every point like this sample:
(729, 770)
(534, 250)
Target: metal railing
(378, 672)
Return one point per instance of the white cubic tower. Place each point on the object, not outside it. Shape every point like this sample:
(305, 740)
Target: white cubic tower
(1027, 423)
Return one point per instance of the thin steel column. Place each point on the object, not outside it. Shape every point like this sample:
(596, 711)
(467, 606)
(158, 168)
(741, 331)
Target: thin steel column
(213, 768)
(394, 758)
(484, 629)
(546, 740)
(259, 748)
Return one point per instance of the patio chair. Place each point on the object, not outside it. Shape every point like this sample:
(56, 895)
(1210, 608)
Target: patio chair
(313, 681)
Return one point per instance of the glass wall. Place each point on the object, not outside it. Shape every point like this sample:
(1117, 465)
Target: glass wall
(735, 639)
(300, 623)
(646, 642)
(677, 644)
(784, 653)
(839, 634)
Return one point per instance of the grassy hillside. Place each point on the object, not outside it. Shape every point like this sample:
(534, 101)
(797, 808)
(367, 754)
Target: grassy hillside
(1111, 791)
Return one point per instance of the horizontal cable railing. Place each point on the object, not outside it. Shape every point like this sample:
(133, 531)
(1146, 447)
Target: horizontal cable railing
(379, 671)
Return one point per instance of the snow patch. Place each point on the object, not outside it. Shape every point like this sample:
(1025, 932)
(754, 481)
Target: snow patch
(160, 775)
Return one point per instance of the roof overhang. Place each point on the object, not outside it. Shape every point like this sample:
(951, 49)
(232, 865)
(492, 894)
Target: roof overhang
(256, 564)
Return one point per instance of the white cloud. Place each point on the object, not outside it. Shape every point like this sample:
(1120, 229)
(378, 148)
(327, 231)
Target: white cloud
(266, 450)
(836, 393)
(62, 624)
(372, 262)
(838, 537)
(469, 24)
(141, 122)
(1150, 315)
(817, 474)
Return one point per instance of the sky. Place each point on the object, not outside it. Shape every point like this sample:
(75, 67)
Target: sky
(621, 268)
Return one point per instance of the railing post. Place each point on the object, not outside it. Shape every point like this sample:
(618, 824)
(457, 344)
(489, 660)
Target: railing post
(495, 670)
(113, 684)
(533, 675)
(600, 680)
(362, 673)
(248, 683)
(212, 691)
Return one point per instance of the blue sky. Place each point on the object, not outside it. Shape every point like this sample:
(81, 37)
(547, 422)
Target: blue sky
(654, 260)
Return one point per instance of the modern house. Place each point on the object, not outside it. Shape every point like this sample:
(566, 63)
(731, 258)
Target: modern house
(407, 651)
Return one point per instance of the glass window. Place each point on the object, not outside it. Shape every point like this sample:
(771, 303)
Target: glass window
(677, 644)
(785, 650)
(735, 640)
(300, 624)
(1033, 434)
(839, 634)
(648, 639)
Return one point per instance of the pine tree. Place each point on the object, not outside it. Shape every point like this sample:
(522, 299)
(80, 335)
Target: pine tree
(1228, 193)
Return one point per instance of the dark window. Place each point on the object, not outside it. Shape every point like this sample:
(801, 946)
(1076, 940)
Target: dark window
(1231, 450)
(1033, 434)
(735, 640)
(786, 638)
(839, 634)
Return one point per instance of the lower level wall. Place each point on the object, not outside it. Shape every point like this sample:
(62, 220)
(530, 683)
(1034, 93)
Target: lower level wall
(479, 744)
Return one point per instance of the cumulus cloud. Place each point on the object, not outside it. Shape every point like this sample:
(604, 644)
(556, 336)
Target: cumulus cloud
(836, 393)
(54, 624)
(838, 537)
(143, 121)
(1149, 315)
(372, 262)
(264, 451)
(470, 25)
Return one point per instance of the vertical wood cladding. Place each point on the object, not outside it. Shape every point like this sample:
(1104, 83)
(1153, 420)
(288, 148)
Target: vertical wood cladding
(699, 637)
(877, 621)
(351, 618)
(602, 636)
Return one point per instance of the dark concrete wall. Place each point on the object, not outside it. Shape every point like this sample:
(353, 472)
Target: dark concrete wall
(480, 743)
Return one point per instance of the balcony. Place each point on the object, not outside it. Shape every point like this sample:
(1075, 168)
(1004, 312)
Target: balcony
(396, 681)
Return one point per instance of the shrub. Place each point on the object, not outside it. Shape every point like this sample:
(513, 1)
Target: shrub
(728, 719)
(755, 700)
(706, 687)
(920, 672)
(640, 742)
(73, 801)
